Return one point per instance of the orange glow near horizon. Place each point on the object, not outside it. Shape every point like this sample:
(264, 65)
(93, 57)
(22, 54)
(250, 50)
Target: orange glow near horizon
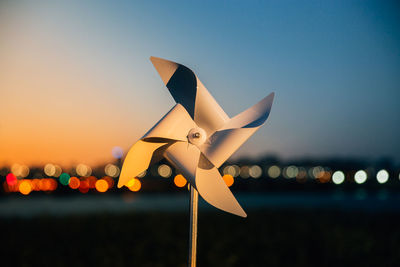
(51, 114)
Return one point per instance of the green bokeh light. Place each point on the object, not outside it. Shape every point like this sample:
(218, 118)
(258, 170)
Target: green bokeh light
(64, 178)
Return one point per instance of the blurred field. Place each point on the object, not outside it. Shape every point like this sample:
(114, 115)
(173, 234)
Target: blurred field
(270, 237)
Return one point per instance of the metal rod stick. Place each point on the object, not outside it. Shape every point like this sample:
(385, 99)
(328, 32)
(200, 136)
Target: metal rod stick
(193, 209)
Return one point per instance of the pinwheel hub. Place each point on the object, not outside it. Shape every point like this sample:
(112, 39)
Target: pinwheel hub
(197, 136)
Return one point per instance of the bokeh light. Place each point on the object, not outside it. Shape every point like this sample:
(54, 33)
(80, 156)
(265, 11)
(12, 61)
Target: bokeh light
(290, 172)
(360, 177)
(35, 183)
(274, 171)
(324, 176)
(117, 152)
(83, 170)
(179, 180)
(49, 169)
(101, 185)
(142, 174)
(244, 172)
(64, 178)
(11, 179)
(382, 176)
(231, 170)
(228, 179)
(91, 180)
(316, 172)
(45, 184)
(255, 171)
(84, 185)
(25, 187)
(164, 170)
(301, 176)
(74, 183)
(338, 177)
(20, 170)
(53, 184)
(134, 185)
(111, 170)
(58, 171)
(109, 180)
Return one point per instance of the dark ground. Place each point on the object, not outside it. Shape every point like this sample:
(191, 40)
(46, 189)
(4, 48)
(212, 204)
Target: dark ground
(265, 238)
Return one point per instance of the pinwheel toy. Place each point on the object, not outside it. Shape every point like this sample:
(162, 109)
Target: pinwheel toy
(196, 136)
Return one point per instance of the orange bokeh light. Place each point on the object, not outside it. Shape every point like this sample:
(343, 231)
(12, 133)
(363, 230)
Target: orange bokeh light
(228, 179)
(101, 185)
(84, 185)
(35, 184)
(25, 187)
(53, 184)
(45, 185)
(92, 181)
(134, 185)
(74, 183)
(179, 180)
(109, 180)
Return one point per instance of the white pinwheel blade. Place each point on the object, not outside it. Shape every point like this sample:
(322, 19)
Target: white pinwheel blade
(137, 160)
(213, 189)
(224, 142)
(185, 158)
(201, 174)
(188, 90)
(175, 125)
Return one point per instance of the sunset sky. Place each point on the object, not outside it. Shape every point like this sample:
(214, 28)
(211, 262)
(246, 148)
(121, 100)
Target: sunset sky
(76, 80)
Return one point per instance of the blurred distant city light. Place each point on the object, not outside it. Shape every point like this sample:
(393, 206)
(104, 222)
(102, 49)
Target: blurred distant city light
(179, 180)
(64, 178)
(274, 171)
(23, 179)
(109, 180)
(25, 187)
(74, 183)
(228, 179)
(291, 171)
(255, 171)
(244, 172)
(301, 176)
(49, 169)
(101, 185)
(338, 177)
(83, 170)
(111, 170)
(382, 176)
(317, 172)
(91, 180)
(20, 170)
(143, 174)
(117, 152)
(84, 185)
(237, 170)
(164, 170)
(231, 170)
(134, 185)
(58, 171)
(360, 177)
(11, 179)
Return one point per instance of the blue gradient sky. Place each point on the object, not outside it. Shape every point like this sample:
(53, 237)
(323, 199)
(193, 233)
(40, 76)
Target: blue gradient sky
(334, 66)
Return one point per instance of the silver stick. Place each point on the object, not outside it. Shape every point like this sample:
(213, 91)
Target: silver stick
(193, 209)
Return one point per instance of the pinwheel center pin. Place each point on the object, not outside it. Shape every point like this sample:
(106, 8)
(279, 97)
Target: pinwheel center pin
(197, 136)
